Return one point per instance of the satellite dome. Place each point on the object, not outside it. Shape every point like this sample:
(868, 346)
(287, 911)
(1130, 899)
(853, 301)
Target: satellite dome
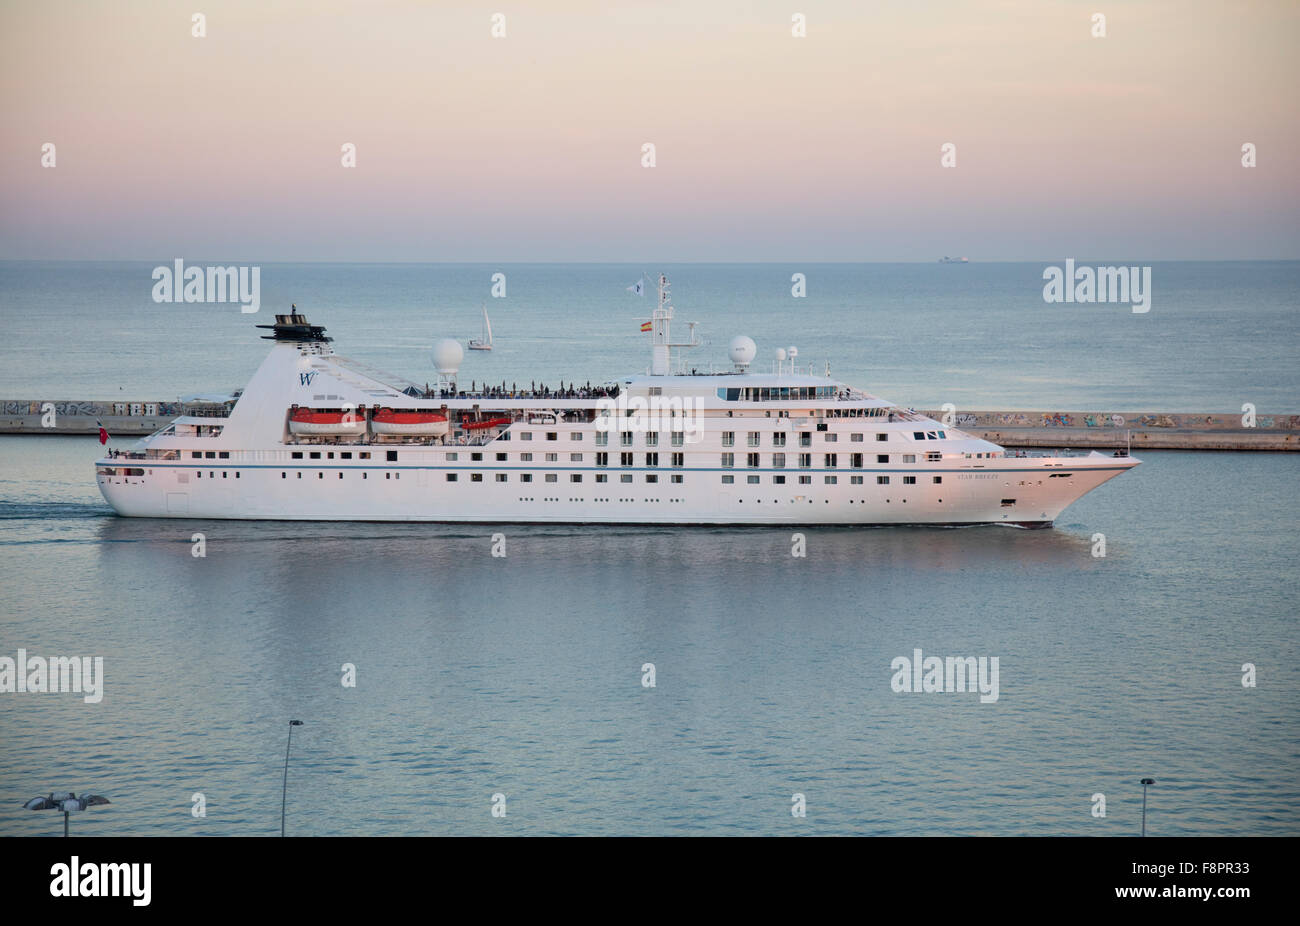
(742, 350)
(780, 354)
(447, 355)
(792, 352)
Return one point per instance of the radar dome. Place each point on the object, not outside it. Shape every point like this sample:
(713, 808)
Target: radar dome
(780, 354)
(742, 350)
(792, 352)
(447, 355)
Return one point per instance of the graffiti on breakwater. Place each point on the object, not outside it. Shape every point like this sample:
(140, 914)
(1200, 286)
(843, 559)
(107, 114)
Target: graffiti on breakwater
(92, 409)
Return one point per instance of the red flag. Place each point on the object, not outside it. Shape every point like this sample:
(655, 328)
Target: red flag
(103, 434)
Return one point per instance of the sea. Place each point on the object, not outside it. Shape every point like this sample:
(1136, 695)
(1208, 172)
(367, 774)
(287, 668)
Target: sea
(665, 681)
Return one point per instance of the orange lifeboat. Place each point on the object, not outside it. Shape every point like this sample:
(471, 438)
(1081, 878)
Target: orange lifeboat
(312, 421)
(409, 422)
(485, 423)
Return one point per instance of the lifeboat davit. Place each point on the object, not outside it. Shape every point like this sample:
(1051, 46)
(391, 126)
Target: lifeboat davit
(387, 421)
(485, 423)
(311, 421)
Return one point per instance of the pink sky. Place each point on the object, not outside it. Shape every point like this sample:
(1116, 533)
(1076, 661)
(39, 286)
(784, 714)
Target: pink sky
(768, 147)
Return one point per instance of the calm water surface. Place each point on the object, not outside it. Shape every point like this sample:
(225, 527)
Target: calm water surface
(521, 675)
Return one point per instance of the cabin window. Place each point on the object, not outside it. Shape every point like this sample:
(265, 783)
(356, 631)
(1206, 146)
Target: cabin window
(575, 458)
(752, 438)
(676, 477)
(330, 455)
(830, 461)
(728, 459)
(284, 475)
(778, 438)
(805, 460)
(728, 438)
(476, 457)
(652, 438)
(552, 435)
(575, 477)
(552, 477)
(882, 437)
(882, 458)
(602, 477)
(909, 480)
(679, 459)
(392, 456)
(728, 480)
(525, 435)
(652, 459)
(525, 458)
(832, 438)
(212, 456)
(778, 461)
(805, 480)
(855, 438)
(552, 458)
(575, 435)
(936, 479)
(453, 457)
(626, 477)
(501, 457)
(224, 455)
(751, 480)
(198, 455)
(1008, 502)
(677, 438)
(296, 455)
(365, 454)
(830, 480)
(315, 455)
(625, 438)
(651, 478)
(452, 477)
(602, 438)
(625, 459)
(855, 480)
(882, 480)
(918, 435)
(805, 438)
(502, 477)
(778, 480)
(475, 477)
(526, 477)
(345, 455)
(934, 457)
(909, 458)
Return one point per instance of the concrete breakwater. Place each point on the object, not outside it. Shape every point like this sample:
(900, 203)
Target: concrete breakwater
(1102, 430)
(1139, 430)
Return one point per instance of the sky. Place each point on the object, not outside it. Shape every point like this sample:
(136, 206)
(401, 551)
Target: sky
(767, 146)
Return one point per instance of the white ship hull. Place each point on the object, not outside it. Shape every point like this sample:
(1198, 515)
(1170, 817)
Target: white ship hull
(412, 493)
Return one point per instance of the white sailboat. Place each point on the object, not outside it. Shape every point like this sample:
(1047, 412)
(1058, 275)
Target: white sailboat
(485, 342)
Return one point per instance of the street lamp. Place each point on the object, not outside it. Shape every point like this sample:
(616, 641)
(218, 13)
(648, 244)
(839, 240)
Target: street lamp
(1145, 782)
(284, 790)
(66, 801)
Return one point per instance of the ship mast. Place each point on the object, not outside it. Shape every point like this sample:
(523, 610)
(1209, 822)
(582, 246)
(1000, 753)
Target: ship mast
(661, 343)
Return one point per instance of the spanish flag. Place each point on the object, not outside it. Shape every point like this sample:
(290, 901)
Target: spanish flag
(645, 326)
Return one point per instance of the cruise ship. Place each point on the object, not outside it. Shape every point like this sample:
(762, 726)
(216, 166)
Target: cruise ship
(317, 436)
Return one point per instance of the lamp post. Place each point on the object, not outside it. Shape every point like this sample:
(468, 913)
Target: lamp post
(284, 790)
(1145, 782)
(66, 801)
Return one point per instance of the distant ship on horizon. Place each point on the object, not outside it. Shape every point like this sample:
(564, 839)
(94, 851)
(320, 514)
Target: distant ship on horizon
(954, 260)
